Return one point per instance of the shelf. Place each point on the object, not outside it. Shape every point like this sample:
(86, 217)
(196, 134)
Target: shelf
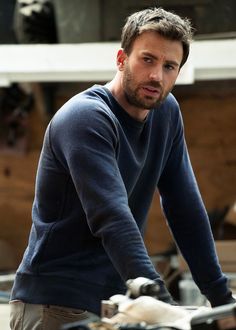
(209, 60)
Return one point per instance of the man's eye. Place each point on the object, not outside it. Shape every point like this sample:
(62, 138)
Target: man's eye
(169, 67)
(147, 59)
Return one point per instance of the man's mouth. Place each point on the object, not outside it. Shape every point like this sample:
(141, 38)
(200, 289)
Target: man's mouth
(152, 91)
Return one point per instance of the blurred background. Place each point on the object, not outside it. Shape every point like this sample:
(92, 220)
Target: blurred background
(51, 50)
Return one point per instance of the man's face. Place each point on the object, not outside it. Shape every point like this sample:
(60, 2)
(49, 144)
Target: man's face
(150, 70)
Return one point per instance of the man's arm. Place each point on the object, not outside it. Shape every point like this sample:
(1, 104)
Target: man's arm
(188, 220)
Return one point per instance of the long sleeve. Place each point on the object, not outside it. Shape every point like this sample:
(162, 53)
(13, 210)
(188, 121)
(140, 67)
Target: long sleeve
(93, 166)
(188, 220)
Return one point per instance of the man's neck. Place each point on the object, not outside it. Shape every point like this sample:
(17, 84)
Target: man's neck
(115, 87)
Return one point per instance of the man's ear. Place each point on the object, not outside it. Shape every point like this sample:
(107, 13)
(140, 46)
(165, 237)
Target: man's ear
(120, 59)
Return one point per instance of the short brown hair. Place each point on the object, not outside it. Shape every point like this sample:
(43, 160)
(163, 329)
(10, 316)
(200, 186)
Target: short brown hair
(167, 24)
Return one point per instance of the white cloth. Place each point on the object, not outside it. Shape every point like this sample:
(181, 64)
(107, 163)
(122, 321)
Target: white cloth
(152, 311)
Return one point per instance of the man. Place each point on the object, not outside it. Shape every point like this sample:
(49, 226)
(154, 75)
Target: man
(105, 153)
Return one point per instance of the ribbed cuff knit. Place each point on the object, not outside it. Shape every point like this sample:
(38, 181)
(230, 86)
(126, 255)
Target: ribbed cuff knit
(164, 295)
(219, 299)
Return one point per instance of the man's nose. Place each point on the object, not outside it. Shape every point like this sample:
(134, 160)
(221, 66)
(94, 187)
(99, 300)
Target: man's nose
(156, 74)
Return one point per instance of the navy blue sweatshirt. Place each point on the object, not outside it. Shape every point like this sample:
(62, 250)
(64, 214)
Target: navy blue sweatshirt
(97, 173)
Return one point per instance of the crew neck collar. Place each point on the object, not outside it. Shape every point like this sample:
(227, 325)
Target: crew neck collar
(120, 111)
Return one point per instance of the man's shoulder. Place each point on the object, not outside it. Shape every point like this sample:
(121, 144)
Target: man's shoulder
(171, 101)
(95, 95)
(86, 103)
(88, 108)
(170, 111)
(171, 106)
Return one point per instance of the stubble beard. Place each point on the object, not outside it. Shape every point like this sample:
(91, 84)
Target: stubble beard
(132, 93)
